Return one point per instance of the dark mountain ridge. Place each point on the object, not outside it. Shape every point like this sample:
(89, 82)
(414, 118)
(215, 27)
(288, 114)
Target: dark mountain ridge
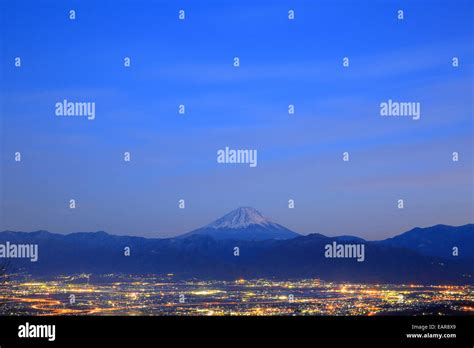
(205, 257)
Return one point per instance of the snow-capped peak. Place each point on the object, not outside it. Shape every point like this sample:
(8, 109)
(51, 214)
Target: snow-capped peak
(240, 218)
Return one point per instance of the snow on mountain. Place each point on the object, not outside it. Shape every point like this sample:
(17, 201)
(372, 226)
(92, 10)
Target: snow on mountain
(244, 223)
(240, 218)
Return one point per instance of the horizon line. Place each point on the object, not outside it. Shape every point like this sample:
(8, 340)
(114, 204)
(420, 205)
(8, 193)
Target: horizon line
(181, 234)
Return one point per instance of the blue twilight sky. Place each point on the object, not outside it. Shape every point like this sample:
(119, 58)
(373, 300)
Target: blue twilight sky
(282, 62)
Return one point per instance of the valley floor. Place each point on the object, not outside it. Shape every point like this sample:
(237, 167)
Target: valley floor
(153, 295)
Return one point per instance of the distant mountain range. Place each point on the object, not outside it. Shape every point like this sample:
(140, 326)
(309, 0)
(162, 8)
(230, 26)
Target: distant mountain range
(265, 249)
(437, 240)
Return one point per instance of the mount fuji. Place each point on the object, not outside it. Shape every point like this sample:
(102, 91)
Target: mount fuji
(244, 223)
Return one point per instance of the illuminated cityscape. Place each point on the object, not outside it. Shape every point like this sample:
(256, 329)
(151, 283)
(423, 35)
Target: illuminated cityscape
(115, 294)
